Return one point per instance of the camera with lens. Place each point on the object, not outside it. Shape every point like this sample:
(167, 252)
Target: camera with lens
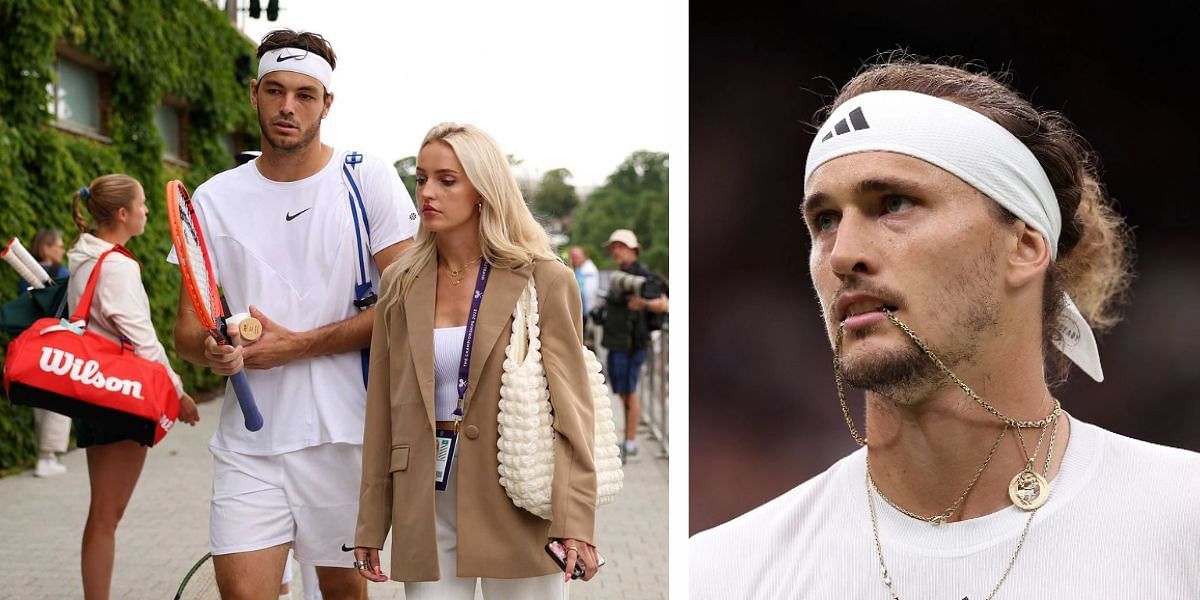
(621, 283)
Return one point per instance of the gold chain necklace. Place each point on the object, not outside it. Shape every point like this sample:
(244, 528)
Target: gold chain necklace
(945, 515)
(456, 275)
(1027, 489)
(988, 407)
(883, 570)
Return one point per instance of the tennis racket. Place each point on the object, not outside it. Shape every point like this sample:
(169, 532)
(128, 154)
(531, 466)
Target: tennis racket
(202, 287)
(200, 583)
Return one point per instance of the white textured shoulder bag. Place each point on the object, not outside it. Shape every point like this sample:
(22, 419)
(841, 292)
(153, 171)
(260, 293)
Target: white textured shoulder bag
(526, 444)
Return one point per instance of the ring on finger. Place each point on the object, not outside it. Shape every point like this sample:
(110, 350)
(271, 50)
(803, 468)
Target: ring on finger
(360, 564)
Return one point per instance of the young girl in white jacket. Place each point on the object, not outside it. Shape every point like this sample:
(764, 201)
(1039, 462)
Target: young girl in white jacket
(120, 308)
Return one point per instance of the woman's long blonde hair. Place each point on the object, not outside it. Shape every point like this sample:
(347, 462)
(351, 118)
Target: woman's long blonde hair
(509, 236)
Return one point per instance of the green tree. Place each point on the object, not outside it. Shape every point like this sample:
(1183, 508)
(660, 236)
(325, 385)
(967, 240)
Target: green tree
(635, 196)
(643, 170)
(555, 197)
(407, 168)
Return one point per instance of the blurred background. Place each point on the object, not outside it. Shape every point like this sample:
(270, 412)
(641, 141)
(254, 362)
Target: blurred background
(759, 352)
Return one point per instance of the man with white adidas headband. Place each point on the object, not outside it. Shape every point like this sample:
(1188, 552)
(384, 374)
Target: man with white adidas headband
(298, 237)
(961, 245)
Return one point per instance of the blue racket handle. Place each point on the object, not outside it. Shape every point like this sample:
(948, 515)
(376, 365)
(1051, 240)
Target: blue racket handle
(241, 387)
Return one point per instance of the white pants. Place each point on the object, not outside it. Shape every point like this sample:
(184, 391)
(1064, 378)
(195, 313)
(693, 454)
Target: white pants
(546, 587)
(53, 430)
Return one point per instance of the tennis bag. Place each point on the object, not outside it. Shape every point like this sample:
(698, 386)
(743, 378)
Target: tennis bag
(60, 366)
(17, 315)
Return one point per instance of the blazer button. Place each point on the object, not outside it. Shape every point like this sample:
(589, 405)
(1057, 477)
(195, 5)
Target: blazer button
(471, 431)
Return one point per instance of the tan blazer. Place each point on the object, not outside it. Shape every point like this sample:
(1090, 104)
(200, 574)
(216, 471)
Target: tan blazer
(495, 538)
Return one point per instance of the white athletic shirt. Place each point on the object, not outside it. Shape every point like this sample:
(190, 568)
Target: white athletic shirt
(288, 248)
(447, 353)
(1122, 521)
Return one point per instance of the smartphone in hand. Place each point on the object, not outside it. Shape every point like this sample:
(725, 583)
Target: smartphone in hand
(559, 553)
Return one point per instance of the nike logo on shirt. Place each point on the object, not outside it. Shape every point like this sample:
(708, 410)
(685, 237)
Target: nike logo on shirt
(345, 549)
(290, 216)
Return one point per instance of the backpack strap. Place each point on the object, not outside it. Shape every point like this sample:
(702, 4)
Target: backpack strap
(364, 290)
(85, 300)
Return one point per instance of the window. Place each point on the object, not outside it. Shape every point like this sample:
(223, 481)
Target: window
(75, 98)
(168, 120)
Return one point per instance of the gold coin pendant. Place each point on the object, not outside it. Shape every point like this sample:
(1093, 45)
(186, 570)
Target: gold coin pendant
(1028, 490)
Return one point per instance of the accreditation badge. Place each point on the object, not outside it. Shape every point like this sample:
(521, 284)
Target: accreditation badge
(446, 439)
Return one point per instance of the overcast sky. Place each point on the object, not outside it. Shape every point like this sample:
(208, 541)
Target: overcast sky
(568, 84)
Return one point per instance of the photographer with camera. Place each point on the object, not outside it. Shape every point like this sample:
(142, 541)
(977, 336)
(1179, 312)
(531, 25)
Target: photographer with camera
(636, 304)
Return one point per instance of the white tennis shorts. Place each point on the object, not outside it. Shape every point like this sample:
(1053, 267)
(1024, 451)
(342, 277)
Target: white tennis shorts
(308, 497)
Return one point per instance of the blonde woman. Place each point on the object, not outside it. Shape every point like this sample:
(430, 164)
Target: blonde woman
(477, 239)
(120, 309)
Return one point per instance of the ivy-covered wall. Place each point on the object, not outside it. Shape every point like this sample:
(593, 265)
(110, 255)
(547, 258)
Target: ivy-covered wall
(185, 49)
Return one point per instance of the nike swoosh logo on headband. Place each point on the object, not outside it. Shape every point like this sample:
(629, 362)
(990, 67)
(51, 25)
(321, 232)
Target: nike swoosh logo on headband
(282, 58)
(290, 216)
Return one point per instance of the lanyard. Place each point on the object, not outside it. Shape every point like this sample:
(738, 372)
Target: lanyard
(464, 365)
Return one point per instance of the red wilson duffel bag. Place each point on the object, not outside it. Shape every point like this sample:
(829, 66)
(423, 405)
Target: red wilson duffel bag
(60, 366)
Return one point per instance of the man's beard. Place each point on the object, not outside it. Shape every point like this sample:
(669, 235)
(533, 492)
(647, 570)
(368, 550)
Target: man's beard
(898, 374)
(907, 375)
(288, 147)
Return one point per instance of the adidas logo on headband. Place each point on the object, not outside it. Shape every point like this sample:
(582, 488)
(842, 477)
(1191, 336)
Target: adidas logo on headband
(856, 119)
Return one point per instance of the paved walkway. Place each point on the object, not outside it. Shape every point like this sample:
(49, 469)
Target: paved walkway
(165, 529)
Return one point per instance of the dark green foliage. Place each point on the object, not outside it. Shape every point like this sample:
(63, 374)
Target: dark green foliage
(555, 198)
(634, 197)
(184, 49)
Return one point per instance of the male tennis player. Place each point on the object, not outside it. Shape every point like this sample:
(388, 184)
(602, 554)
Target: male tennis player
(961, 245)
(287, 237)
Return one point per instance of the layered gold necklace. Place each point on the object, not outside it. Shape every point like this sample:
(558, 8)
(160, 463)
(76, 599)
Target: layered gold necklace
(883, 570)
(1028, 490)
(457, 275)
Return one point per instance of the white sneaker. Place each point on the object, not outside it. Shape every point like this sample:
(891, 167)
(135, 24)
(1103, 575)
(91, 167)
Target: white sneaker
(49, 467)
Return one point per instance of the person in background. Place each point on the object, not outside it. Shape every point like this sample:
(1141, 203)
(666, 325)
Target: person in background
(120, 309)
(53, 429)
(588, 278)
(47, 248)
(627, 329)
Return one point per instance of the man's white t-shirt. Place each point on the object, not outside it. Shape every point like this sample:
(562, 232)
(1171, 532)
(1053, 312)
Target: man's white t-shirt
(289, 249)
(1122, 521)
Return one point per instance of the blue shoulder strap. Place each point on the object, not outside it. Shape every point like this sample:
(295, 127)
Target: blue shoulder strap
(364, 291)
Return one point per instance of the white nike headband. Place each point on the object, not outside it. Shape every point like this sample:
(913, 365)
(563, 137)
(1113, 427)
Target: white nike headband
(297, 60)
(975, 149)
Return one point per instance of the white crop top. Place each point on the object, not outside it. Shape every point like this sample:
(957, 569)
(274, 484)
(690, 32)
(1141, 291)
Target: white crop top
(447, 351)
